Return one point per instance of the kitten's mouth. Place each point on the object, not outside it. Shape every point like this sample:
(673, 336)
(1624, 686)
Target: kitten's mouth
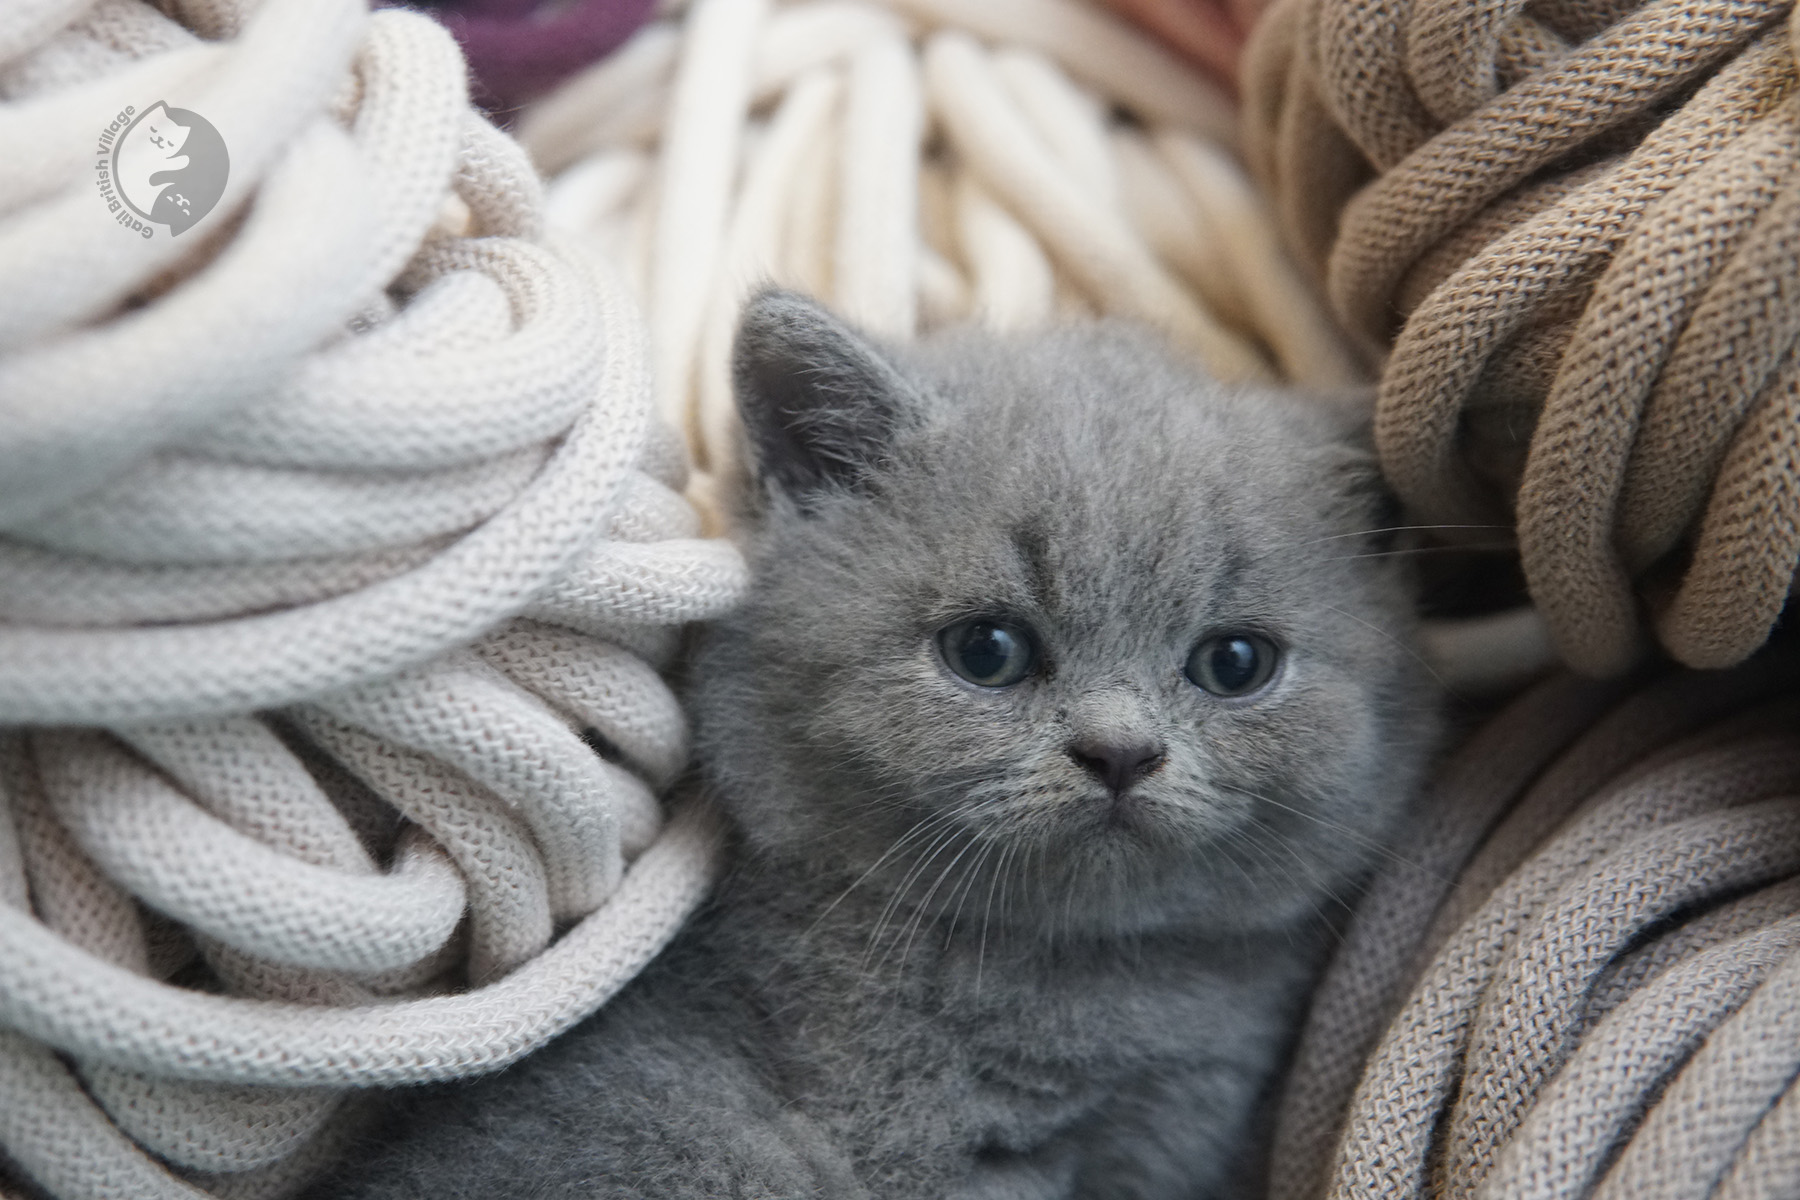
(1158, 821)
(1129, 812)
(1124, 810)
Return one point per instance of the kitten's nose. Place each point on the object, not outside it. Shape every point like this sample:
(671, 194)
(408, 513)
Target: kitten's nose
(1117, 765)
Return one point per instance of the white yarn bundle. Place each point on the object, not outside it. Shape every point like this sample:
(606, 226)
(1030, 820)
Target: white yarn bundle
(325, 531)
(915, 163)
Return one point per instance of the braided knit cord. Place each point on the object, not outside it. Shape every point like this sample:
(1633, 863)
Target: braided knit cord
(1571, 227)
(915, 163)
(1576, 231)
(326, 531)
(1576, 978)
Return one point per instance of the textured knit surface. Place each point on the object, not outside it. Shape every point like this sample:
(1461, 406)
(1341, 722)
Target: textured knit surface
(1576, 231)
(327, 531)
(918, 163)
(915, 163)
(1578, 978)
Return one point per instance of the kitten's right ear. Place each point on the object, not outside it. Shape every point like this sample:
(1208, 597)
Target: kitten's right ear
(819, 403)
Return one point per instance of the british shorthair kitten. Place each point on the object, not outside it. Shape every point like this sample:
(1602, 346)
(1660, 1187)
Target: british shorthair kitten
(1072, 694)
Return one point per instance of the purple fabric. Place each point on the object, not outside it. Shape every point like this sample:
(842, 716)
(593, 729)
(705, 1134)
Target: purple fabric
(519, 49)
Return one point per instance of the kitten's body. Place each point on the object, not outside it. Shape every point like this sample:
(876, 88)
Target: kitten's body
(949, 960)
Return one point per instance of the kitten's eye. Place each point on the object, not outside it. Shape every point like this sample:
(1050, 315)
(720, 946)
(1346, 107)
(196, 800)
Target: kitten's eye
(987, 653)
(1232, 664)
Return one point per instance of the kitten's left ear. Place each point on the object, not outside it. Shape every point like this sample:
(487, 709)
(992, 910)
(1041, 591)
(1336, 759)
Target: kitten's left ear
(819, 403)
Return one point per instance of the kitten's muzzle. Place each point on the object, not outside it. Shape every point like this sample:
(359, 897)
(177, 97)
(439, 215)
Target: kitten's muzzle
(1118, 765)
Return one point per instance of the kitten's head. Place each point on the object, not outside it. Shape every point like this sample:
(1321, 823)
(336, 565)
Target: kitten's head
(1058, 618)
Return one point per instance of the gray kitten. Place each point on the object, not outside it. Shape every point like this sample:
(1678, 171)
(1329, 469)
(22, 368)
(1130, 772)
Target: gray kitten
(1069, 694)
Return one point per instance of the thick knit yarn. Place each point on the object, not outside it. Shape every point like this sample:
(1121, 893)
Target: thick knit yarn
(917, 163)
(1580, 976)
(335, 536)
(912, 164)
(1573, 230)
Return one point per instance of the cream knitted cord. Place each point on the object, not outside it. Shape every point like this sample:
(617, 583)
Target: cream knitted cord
(915, 163)
(324, 531)
(920, 162)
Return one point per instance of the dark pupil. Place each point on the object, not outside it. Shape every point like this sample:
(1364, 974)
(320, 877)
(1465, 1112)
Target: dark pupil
(1233, 663)
(987, 651)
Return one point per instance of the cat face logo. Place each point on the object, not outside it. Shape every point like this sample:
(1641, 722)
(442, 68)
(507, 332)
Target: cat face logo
(166, 165)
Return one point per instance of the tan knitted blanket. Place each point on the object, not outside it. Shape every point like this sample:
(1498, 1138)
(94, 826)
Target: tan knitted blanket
(1573, 229)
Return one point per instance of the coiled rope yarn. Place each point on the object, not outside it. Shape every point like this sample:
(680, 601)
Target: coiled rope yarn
(1582, 977)
(326, 530)
(915, 163)
(1575, 226)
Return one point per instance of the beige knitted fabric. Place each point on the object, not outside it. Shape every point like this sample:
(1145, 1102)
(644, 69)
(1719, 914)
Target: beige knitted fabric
(326, 529)
(1577, 978)
(1574, 226)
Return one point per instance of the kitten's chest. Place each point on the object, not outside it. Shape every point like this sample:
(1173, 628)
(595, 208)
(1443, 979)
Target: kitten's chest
(1115, 1012)
(1012, 1048)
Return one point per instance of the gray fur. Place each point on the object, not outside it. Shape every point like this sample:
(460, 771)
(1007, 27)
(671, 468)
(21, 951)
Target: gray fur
(944, 965)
